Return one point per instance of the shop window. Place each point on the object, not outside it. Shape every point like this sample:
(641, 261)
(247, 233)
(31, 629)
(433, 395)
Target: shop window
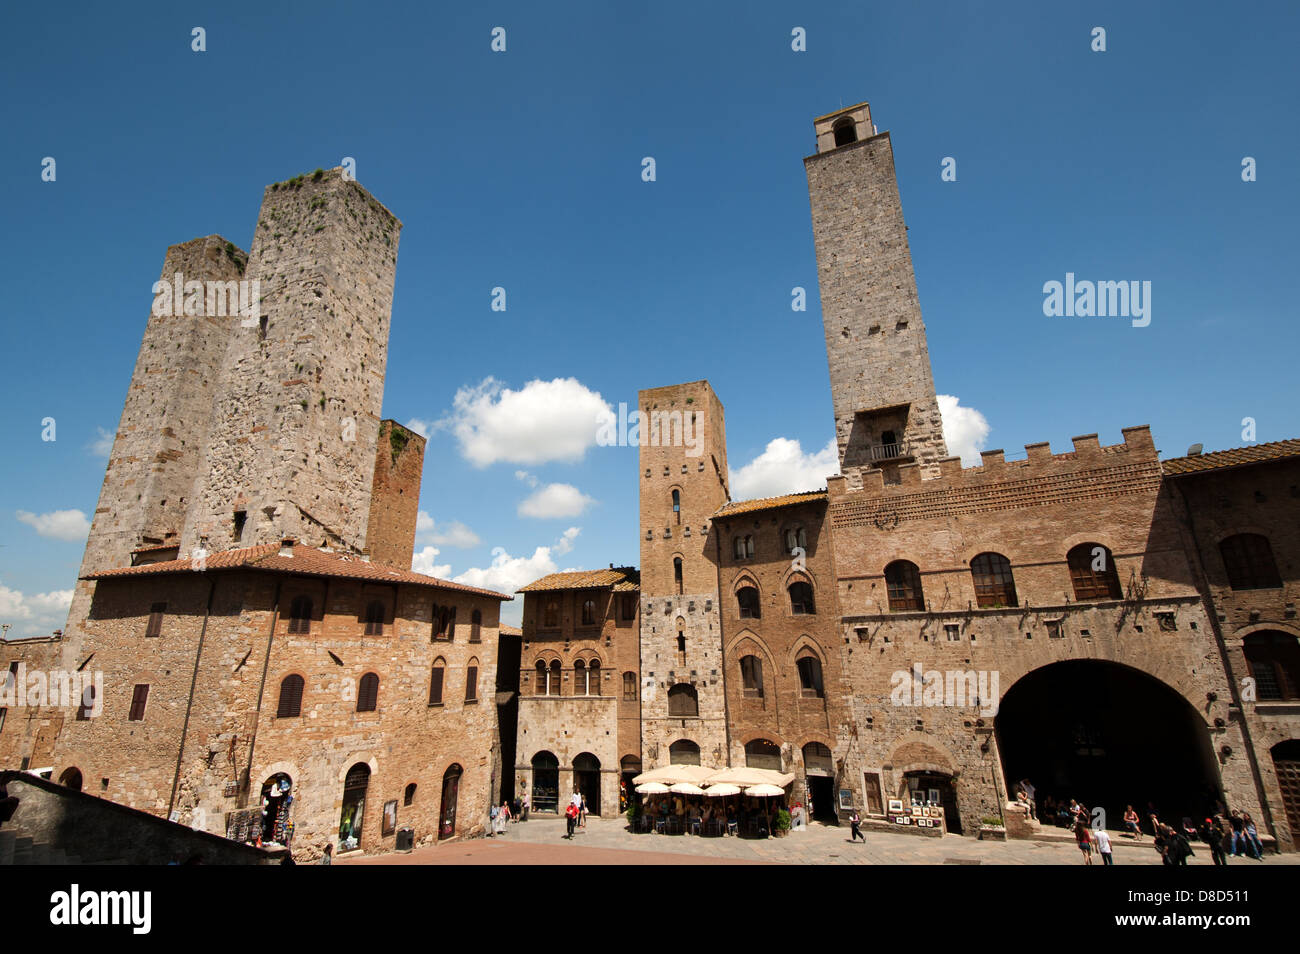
(368, 693)
(290, 704)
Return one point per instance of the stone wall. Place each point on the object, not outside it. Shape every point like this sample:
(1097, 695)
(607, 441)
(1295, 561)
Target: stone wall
(395, 496)
(28, 732)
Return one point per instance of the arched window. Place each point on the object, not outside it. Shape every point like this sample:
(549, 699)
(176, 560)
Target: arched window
(846, 131)
(442, 621)
(801, 598)
(553, 676)
(677, 505)
(300, 615)
(763, 754)
(543, 686)
(588, 612)
(408, 797)
(677, 574)
(593, 678)
(580, 678)
(747, 599)
(1092, 570)
(795, 537)
(810, 675)
(683, 752)
(751, 675)
(375, 618)
(476, 627)
(629, 687)
(1274, 661)
(368, 693)
(551, 617)
(683, 700)
(290, 698)
(471, 681)
(994, 585)
(436, 680)
(1248, 558)
(903, 581)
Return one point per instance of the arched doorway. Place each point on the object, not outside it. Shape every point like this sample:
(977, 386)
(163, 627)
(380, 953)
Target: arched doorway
(1110, 736)
(71, 778)
(629, 768)
(586, 779)
(355, 784)
(450, 793)
(276, 799)
(819, 772)
(1286, 762)
(763, 754)
(546, 782)
(931, 789)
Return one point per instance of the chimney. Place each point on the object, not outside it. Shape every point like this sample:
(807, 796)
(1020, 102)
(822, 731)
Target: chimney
(286, 547)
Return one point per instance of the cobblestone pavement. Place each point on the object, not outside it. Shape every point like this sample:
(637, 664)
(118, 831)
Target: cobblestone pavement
(607, 841)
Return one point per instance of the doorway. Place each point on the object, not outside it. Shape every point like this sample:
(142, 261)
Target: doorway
(450, 794)
(819, 773)
(546, 782)
(935, 788)
(586, 779)
(355, 784)
(275, 809)
(1286, 762)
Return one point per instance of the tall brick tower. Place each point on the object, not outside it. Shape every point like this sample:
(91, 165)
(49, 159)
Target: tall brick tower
(161, 439)
(886, 412)
(683, 468)
(296, 423)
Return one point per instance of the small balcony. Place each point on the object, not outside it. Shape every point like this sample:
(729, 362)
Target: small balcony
(896, 451)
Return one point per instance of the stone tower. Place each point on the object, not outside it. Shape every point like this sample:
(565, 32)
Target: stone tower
(886, 412)
(683, 470)
(296, 422)
(163, 434)
(395, 501)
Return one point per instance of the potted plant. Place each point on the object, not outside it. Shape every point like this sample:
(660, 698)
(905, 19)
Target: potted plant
(633, 812)
(992, 829)
(781, 823)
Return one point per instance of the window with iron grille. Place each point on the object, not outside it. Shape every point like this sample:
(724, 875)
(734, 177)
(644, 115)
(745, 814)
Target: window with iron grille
(471, 682)
(138, 699)
(629, 687)
(290, 704)
(368, 693)
(476, 627)
(683, 700)
(1274, 661)
(156, 611)
(435, 682)
(1093, 573)
(375, 618)
(300, 615)
(751, 676)
(1248, 558)
(994, 585)
(747, 600)
(801, 598)
(903, 582)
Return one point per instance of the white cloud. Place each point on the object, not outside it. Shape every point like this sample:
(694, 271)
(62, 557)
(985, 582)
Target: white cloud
(423, 562)
(507, 573)
(543, 421)
(526, 477)
(102, 446)
(454, 534)
(555, 500)
(784, 468)
(36, 615)
(565, 543)
(70, 525)
(965, 430)
(420, 426)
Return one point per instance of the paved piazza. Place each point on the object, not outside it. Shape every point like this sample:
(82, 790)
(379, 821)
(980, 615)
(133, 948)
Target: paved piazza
(541, 841)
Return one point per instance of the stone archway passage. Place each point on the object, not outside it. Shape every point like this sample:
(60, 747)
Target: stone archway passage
(586, 779)
(1109, 736)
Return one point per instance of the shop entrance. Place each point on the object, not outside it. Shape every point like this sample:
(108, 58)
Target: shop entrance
(630, 768)
(1109, 736)
(450, 794)
(935, 789)
(277, 829)
(546, 782)
(819, 773)
(586, 779)
(355, 784)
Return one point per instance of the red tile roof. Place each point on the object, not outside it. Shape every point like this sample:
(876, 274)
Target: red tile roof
(1236, 457)
(766, 503)
(306, 561)
(620, 579)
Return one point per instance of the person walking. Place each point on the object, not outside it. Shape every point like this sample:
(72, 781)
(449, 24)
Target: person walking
(1084, 839)
(855, 825)
(523, 816)
(1102, 838)
(570, 817)
(503, 818)
(492, 820)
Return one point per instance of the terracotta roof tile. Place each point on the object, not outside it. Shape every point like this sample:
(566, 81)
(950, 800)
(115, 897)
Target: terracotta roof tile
(1236, 457)
(767, 503)
(621, 579)
(306, 561)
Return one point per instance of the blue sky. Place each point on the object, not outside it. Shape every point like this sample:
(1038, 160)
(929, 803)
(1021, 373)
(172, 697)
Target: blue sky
(522, 170)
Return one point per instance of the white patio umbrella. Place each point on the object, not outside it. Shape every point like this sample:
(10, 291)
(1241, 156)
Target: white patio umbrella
(722, 790)
(686, 788)
(764, 791)
(652, 788)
